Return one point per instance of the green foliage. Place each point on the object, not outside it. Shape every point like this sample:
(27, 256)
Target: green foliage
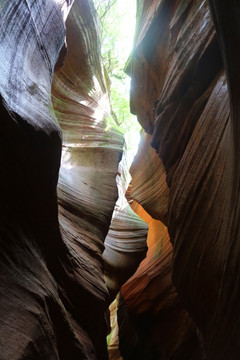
(117, 22)
(109, 27)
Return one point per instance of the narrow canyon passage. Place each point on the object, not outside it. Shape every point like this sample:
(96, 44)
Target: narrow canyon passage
(81, 239)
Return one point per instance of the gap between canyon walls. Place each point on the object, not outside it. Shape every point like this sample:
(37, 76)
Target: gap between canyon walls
(148, 299)
(94, 214)
(81, 118)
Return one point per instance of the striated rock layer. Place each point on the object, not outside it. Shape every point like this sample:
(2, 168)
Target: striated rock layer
(183, 100)
(87, 188)
(54, 298)
(125, 243)
(152, 308)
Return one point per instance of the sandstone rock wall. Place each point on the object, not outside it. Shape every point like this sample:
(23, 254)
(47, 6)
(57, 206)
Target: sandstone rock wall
(54, 298)
(183, 99)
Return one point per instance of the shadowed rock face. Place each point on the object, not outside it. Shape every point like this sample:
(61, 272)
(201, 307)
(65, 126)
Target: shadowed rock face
(151, 308)
(183, 100)
(30, 157)
(53, 293)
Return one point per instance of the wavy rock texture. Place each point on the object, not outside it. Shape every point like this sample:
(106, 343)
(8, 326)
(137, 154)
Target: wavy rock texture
(125, 243)
(30, 155)
(53, 294)
(148, 185)
(161, 326)
(90, 174)
(181, 96)
(87, 183)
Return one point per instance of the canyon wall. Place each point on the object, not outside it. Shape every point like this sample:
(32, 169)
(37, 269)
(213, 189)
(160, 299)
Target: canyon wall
(185, 93)
(54, 298)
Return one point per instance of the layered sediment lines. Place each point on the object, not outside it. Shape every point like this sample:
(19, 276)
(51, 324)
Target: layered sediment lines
(182, 99)
(54, 297)
(125, 243)
(151, 310)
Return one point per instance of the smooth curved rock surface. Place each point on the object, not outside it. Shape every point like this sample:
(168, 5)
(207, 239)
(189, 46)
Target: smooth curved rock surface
(90, 173)
(30, 148)
(162, 326)
(53, 291)
(148, 185)
(125, 243)
(181, 96)
(54, 298)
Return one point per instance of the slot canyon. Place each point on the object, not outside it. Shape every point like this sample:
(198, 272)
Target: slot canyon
(97, 263)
